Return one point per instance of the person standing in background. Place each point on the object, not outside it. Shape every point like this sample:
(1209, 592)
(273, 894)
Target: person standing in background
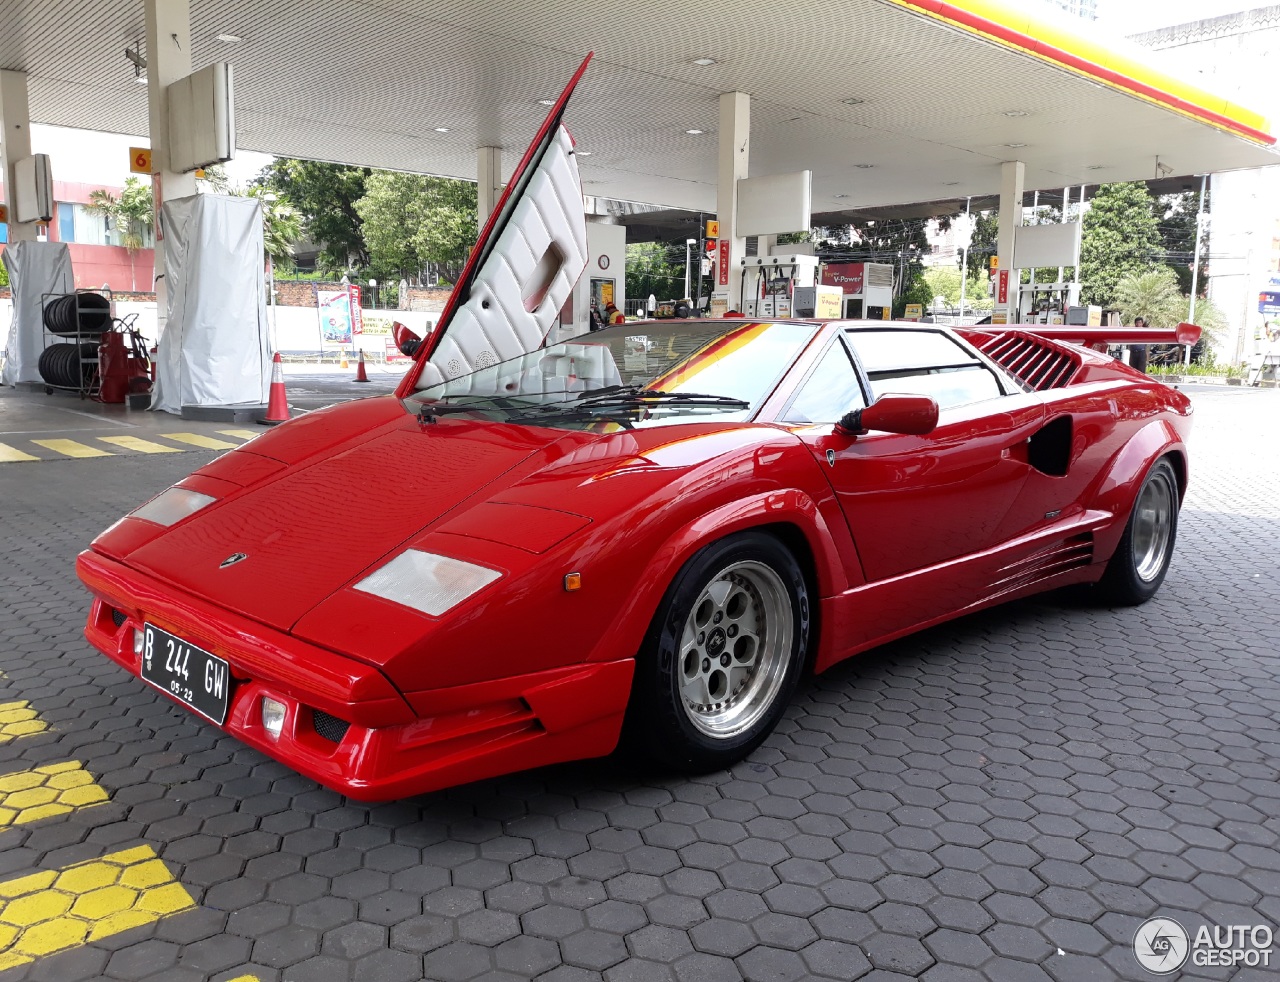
(1138, 352)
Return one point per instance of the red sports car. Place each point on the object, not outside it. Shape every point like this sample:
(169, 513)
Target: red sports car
(646, 533)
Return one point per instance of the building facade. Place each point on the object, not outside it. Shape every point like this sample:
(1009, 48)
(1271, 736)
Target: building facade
(1234, 54)
(97, 257)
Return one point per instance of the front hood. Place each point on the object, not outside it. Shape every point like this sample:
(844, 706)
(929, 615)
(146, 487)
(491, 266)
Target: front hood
(328, 519)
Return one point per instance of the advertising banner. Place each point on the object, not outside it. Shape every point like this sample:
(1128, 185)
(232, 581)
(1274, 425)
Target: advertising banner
(357, 316)
(335, 316)
(724, 262)
(847, 276)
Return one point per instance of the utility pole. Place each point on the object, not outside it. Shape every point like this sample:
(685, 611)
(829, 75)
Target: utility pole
(1195, 263)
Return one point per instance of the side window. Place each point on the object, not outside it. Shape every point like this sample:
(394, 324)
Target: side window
(924, 363)
(830, 391)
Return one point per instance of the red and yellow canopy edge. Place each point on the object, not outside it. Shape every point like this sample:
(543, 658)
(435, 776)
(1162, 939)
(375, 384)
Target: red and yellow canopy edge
(1052, 43)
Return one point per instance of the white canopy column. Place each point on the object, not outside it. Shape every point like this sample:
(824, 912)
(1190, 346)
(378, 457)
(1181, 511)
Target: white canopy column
(15, 143)
(488, 181)
(168, 59)
(1012, 176)
(735, 154)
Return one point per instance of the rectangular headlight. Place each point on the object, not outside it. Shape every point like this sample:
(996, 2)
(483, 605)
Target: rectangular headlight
(171, 506)
(427, 582)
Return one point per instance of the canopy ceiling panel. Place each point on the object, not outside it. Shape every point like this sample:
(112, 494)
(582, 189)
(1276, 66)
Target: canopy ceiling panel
(417, 85)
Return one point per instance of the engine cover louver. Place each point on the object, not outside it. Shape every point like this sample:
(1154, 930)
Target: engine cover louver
(1036, 363)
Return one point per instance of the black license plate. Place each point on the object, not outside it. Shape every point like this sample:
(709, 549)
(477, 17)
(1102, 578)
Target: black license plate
(189, 674)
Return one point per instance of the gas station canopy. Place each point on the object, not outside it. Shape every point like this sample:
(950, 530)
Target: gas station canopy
(886, 101)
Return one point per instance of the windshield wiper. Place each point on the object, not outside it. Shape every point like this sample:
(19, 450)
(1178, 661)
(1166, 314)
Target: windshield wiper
(631, 395)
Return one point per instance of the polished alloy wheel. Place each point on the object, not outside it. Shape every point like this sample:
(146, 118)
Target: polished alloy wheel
(735, 649)
(1153, 518)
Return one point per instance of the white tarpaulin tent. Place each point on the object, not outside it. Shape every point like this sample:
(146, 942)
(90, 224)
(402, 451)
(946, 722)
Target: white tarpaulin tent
(35, 268)
(214, 349)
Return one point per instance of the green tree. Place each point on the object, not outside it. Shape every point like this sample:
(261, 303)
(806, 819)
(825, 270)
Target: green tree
(1178, 215)
(281, 226)
(130, 215)
(410, 221)
(1120, 238)
(324, 197)
(986, 233)
(944, 281)
(1152, 295)
(4, 274)
(653, 267)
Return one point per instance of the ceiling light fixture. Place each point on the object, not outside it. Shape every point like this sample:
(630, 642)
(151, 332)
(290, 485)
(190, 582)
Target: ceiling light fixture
(852, 101)
(949, 184)
(1096, 167)
(842, 195)
(228, 38)
(442, 129)
(546, 102)
(864, 166)
(1015, 146)
(695, 132)
(704, 62)
(1016, 112)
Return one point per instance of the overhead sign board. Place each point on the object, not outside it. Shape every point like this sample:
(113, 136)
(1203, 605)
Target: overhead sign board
(202, 128)
(774, 204)
(139, 160)
(713, 229)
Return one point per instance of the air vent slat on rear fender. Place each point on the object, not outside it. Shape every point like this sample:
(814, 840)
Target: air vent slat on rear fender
(1037, 363)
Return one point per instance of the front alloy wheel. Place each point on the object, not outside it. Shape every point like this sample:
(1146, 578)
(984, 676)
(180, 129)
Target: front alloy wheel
(722, 657)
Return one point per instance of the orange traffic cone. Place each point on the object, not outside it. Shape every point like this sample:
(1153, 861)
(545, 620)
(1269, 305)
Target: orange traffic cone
(360, 372)
(277, 404)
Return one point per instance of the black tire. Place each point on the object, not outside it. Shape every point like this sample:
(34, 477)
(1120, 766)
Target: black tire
(764, 591)
(1141, 560)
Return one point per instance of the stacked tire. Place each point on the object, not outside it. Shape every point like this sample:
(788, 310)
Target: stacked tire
(94, 315)
(63, 364)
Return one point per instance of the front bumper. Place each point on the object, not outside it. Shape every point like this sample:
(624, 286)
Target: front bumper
(347, 725)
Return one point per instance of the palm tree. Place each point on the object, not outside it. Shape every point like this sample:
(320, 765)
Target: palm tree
(1152, 295)
(129, 216)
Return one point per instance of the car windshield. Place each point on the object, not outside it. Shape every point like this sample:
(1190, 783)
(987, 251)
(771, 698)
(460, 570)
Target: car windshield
(632, 375)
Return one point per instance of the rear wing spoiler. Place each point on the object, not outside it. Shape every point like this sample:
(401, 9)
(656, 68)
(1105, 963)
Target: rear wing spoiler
(1099, 338)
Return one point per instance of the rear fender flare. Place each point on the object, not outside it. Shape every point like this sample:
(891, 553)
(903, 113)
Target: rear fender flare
(1118, 487)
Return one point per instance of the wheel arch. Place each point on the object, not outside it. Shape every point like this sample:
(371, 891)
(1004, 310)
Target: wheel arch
(1117, 488)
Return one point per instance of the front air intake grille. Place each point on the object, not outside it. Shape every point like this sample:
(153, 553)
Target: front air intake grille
(117, 618)
(329, 727)
(1036, 363)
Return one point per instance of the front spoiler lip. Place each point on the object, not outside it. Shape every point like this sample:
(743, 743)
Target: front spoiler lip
(389, 751)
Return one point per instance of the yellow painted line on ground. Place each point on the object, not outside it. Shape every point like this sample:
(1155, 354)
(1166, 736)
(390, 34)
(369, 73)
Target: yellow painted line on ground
(70, 448)
(18, 719)
(138, 445)
(55, 789)
(54, 910)
(196, 440)
(10, 454)
(242, 434)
